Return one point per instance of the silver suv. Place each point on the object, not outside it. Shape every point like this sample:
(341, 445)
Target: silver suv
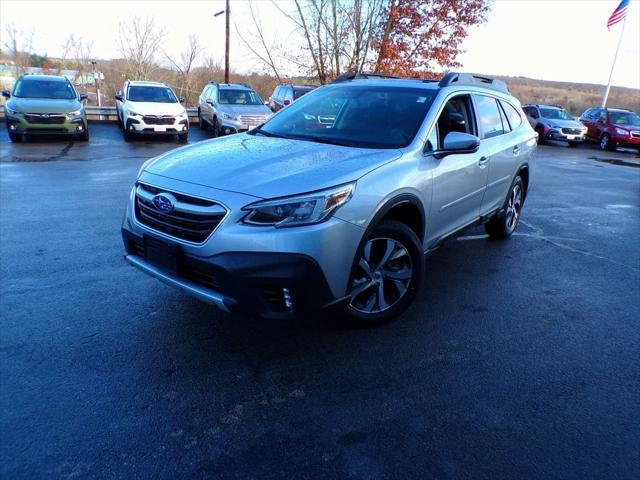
(306, 213)
(229, 108)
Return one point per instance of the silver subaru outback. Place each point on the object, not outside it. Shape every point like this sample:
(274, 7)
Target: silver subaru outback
(334, 201)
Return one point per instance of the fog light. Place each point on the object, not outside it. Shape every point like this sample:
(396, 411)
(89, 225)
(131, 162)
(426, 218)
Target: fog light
(227, 131)
(80, 128)
(287, 298)
(12, 127)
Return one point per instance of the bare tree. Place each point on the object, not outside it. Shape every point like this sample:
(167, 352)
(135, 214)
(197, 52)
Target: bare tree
(184, 64)
(18, 44)
(264, 51)
(337, 34)
(77, 54)
(138, 42)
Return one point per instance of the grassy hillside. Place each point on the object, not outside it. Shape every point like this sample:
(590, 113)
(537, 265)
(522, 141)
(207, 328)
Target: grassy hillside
(575, 97)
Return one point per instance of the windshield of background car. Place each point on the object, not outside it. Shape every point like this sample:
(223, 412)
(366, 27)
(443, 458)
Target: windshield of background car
(139, 93)
(356, 116)
(44, 89)
(555, 114)
(298, 92)
(624, 118)
(239, 97)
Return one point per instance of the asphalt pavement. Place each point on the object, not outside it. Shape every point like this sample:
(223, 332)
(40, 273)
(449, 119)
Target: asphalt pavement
(519, 359)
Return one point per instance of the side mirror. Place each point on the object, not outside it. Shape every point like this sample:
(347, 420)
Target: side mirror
(210, 102)
(83, 97)
(181, 99)
(458, 142)
(287, 102)
(118, 97)
(6, 93)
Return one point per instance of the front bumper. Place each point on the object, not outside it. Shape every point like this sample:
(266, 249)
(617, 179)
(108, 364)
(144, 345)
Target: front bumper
(269, 285)
(559, 134)
(229, 127)
(71, 126)
(138, 125)
(626, 141)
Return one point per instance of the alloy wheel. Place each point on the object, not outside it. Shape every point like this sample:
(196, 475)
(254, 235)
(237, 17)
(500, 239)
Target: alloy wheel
(514, 206)
(604, 142)
(383, 276)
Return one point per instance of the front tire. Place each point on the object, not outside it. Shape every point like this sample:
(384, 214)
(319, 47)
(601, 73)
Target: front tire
(15, 137)
(84, 136)
(183, 137)
(605, 143)
(573, 144)
(386, 275)
(216, 127)
(541, 139)
(503, 226)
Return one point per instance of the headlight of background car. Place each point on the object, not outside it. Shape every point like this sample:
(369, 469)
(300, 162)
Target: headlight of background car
(620, 131)
(229, 117)
(10, 111)
(306, 209)
(76, 113)
(134, 114)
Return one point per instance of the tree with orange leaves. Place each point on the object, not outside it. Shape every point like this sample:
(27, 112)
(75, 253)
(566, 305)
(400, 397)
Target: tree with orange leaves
(421, 37)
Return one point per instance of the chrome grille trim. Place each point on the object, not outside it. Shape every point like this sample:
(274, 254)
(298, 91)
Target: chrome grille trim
(252, 120)
(192, 223)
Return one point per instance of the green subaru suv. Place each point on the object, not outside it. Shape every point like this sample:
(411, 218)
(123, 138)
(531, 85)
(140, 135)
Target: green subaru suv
(45, 105)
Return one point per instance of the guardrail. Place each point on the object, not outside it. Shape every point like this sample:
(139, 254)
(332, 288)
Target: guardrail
(109, 113)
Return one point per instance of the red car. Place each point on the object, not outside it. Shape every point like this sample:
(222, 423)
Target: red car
(286, 94)
(612, 127)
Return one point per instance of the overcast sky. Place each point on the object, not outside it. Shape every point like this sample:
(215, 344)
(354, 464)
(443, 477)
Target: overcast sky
(565, 40)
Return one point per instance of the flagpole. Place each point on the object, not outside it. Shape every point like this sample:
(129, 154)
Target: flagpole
(615, 57)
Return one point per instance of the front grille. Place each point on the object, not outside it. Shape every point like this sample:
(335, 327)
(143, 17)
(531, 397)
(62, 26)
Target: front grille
(158, 120)
(635, 134)
(45, 118)
(190, 220)
(188, 268)
(572, 131)
(252, 120)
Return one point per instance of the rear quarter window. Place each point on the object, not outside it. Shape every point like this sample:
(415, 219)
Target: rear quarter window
(514, 117)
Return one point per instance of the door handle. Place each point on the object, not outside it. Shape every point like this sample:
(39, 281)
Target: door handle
(483, 161)
(516, 150)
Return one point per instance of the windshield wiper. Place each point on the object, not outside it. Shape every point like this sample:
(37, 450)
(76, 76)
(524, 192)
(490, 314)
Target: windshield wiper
(265, 133)
(328, 141)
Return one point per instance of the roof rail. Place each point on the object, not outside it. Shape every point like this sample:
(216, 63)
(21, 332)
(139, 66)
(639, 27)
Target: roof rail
(454, 78)
(345, 77)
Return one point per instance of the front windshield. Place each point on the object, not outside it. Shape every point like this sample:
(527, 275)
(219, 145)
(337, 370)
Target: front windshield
(362, 116)
(624, 118)
(139, 93)
(239, 97)
(555, 114)
(54, 89)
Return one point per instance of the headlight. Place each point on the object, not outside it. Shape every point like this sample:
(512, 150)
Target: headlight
(183, 114)
(306, 209)
(622, 132)
(134, 114)
(10, 111)
(76, 113)
(229, 117)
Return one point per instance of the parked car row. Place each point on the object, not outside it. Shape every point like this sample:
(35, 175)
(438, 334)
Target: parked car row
(609, 127)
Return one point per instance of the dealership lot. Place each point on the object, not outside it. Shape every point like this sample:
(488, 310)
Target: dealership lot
(519, 359)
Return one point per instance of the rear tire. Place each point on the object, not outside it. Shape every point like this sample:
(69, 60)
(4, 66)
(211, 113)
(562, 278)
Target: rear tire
(386, 275)
(503, 226)
(541, 139)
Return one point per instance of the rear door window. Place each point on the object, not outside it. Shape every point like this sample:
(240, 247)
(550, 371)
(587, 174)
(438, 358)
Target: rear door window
(489, 116)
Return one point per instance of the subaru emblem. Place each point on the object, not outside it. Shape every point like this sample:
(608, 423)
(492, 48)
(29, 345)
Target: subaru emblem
(164, 202)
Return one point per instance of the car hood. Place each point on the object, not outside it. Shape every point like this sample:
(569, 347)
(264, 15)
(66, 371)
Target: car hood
(43, 105)
(155, 108)
(268, 167)
(631, 128)
(237, 110)
(566, 123)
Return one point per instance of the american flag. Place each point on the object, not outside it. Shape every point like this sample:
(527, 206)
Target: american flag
(619, 13)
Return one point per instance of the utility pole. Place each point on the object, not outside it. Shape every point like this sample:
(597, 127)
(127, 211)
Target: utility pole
(613, 65)
(226, 46)
(227, 13)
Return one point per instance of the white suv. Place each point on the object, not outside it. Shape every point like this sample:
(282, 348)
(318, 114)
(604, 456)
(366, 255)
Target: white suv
(151, 108)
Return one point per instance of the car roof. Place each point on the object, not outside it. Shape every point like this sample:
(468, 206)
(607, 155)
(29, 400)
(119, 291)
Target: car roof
(54, 78)
(235, 86)
(146, 83)
(393, 82)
